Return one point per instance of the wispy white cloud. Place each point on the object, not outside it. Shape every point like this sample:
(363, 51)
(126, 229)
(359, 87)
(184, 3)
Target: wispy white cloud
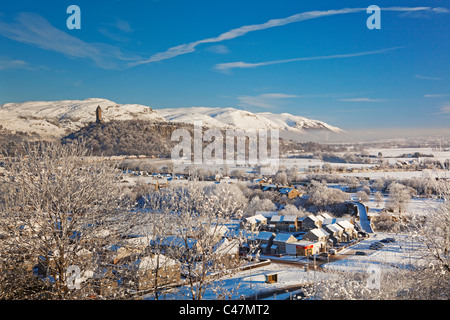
(117, 30)
(33, 29)
(265, 101)
(445, 109)
(422, 77)
(423, 14)
(361, 100)
(245, 65)
(218, 49)
(6, 63)
(123, 26)
(436, 95)
(241, 31)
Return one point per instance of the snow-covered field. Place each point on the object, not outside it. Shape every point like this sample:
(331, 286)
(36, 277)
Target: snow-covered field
(398, 174)
(397, 152)
(415, 207)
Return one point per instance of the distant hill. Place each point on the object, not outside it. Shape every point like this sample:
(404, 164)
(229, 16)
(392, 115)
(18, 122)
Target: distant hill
(55, 119)
(234, 118)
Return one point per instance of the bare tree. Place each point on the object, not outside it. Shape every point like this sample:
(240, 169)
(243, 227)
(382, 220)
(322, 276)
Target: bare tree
(321, 195)
(378, 198)
(257, 204)
(399, 196)
(195, 236)
(58, 209)
(362, 196)
(281, 178)
(433, 230)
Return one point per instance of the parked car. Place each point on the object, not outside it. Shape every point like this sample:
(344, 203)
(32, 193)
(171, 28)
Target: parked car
(376, 246)
(390, 239)
(324, 254)
(360, 253)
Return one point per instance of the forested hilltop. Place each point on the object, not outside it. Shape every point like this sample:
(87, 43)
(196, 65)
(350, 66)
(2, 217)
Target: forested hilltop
(129, 137)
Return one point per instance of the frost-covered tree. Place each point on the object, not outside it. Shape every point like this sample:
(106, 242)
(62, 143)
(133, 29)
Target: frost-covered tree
(362, 196)
(399, 197)
(196, 219)
(321, 195)
(257, 204)
(433, 229)
(378, 198)
(290, 209)
(281, 178)
(58, 208)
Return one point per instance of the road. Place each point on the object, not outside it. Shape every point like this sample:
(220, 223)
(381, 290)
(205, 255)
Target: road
(363, 219)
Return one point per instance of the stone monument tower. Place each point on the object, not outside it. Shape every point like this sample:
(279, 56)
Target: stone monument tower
(98, 115)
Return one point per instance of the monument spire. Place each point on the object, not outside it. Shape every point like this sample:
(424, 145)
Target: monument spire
(98, 115)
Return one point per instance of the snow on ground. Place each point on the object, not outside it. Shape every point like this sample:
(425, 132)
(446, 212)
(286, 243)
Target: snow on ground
(397, 152)
(401, 254)
(398, 174)
(250, 282)
(416, 206)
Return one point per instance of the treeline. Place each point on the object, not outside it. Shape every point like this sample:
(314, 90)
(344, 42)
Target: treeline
(11, 142)
(139, 137)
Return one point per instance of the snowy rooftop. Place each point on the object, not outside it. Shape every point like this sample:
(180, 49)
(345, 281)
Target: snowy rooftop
(286, 218)
(276, 218)
(285, 190)
(282, 237)
(226, 246)
(332, 220)
(312, 217)
(319, 232)
(334, 227)
(345, 224)
(325, 216)
(266, 214)
(290, 218)
(264, 235)
(256, 218)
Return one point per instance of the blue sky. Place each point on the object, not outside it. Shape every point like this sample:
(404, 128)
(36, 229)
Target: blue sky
(315, 59)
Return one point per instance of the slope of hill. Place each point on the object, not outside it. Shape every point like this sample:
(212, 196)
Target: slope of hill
(59, 118)
(234, 118)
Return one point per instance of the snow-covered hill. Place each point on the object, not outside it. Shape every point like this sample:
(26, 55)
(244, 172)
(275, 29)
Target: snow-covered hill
(56, 118)
(234, 118)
